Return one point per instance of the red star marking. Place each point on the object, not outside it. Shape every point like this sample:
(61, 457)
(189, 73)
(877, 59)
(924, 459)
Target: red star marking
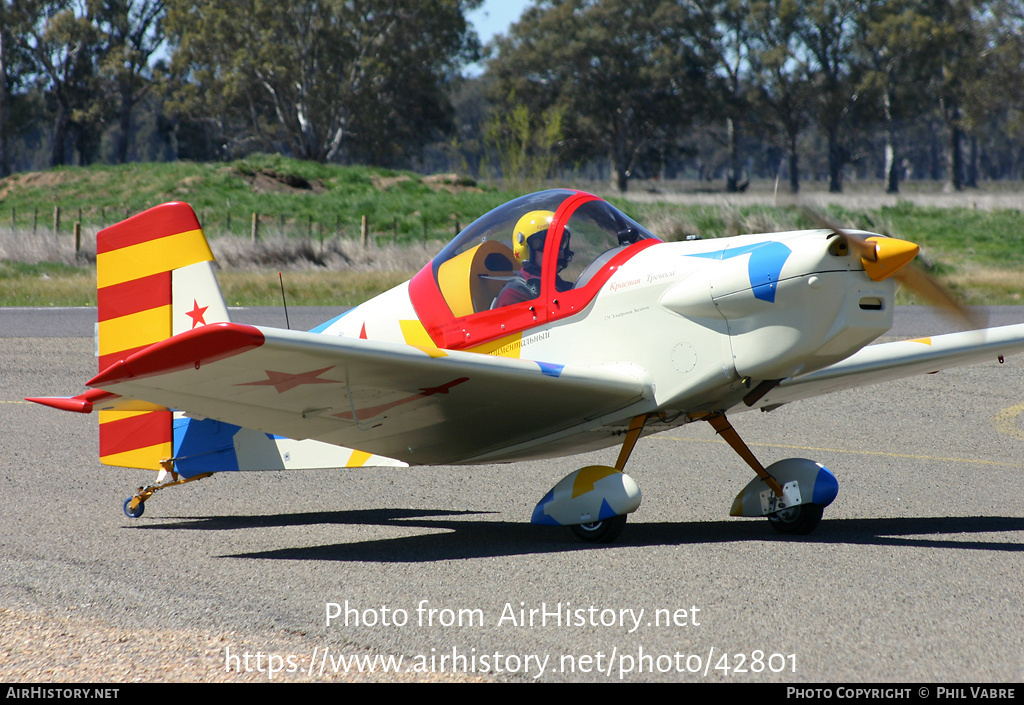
(443, 389)
(372, 411)
(283, 381)
(197, 314)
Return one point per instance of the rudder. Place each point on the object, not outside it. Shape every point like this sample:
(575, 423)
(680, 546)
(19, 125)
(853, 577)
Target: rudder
(154, 279)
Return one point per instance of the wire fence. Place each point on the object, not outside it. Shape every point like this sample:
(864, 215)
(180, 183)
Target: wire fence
(79, 222)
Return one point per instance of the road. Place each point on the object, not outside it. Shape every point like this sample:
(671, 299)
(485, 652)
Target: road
(914, 575)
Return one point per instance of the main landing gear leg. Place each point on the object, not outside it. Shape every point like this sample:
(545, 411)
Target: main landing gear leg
(135, 505)
(728, 433)
(797, 493)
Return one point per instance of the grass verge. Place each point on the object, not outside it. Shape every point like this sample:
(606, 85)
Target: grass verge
(310, 218)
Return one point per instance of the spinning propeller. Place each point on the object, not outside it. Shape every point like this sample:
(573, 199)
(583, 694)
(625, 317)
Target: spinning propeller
(885, 257)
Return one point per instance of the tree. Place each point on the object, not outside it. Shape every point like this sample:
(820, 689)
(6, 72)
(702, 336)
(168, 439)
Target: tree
(15, 72)
(725, 38)
(960, 52)
(320, 76)
(132, 31)
(63, 42)
(624, 71)
(896, 43)
(527, 144)
(781, 74)
(826, 28)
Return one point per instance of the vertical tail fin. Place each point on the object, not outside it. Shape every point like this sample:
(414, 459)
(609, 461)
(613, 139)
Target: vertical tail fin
(154, 278)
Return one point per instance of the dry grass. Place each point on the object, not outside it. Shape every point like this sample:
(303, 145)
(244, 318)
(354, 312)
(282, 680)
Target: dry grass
(40, 270)
(27, 247)
(991, 285)
(985, 245)
(306, 288)
(856, 195)
(335, 254)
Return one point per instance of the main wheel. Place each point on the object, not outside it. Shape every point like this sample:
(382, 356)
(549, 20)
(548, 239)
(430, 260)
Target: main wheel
(604, 531)
(133, 513)
(801, 519)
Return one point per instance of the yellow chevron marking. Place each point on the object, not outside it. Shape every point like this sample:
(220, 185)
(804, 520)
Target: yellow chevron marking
(357, 459)
(586, 478)
(415, 334)
(509, 346)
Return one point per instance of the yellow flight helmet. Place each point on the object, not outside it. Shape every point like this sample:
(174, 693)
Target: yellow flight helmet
(529, 234)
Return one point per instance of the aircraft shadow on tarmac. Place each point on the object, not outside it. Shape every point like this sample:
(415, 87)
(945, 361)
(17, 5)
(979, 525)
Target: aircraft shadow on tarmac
(455, 538)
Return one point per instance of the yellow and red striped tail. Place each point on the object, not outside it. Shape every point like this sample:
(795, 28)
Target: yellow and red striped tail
(154, 278)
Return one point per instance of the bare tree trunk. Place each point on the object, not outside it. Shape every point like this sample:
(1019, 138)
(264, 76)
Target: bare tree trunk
(5, 160)
(732, 183)
(971, 180)
(621, 178)
(954, 149)
(61, 127)
(835, 161)
(955, 160)
(892, 168)
(620, 162)
(794, 164)
(124, 121)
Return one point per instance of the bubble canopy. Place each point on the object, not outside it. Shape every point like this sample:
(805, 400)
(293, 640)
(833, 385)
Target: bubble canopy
(537, 258)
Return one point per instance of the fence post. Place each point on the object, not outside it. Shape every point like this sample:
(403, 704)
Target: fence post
(56, 221)
(35, 220)
(255, 227)
(78, 237)
(364, 229)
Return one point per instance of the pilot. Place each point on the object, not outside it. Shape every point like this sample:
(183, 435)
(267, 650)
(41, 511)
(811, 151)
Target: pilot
(528, 238)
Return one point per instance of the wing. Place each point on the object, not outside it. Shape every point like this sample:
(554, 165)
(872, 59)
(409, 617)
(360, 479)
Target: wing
(420, 405)
(889, 361)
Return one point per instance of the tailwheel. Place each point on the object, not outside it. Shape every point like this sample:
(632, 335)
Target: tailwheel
(604, 531)
(137, 511)
(144, 493)
(798, 520)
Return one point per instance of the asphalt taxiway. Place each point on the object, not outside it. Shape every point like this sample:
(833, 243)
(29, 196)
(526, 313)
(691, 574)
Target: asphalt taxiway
(913, 575)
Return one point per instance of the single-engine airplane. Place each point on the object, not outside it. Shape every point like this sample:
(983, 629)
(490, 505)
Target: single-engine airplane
(552, 325)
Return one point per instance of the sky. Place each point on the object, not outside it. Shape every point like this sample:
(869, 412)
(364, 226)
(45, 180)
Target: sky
(491, 18)
(495, 16)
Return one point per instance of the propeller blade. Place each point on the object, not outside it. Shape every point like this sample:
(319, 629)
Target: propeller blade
(928, 288)
(884, 258)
